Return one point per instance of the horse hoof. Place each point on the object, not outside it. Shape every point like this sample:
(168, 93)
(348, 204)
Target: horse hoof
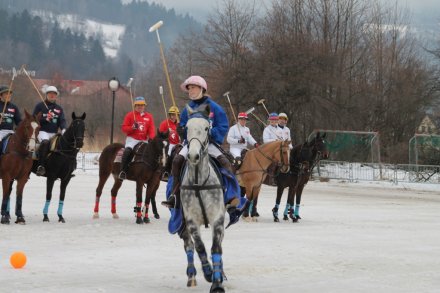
(5, 220)
(115, 216)
(95, 215)
(285, 218)
(45, 218)
(156, 216)
(254, 219)
(61, 219)
(20, 220)
(191, 282)
(146, 220)
(298, 217)
(247, 219)
(217, 287)
(294, 220)
(139, 221)
(276, 220)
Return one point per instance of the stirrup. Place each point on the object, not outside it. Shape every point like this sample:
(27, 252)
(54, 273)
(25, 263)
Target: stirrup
(122, 175)
(40, 170)
(170, 203)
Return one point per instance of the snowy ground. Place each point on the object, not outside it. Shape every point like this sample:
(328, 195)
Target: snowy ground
(357, 237)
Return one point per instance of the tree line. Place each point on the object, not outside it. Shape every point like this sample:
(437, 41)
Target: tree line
(329, 64)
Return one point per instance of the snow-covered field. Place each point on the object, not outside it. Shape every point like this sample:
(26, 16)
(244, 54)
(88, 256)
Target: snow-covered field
(354, 237)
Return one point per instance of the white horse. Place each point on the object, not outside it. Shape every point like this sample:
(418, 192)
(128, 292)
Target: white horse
(202, 202)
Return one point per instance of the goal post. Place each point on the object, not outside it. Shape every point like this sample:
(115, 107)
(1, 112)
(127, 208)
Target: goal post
(352, 146)
(424, 149)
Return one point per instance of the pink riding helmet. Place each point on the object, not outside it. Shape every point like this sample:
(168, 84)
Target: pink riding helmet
(194, 80)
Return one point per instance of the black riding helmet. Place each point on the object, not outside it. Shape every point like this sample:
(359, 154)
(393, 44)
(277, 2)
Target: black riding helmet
(4, 89)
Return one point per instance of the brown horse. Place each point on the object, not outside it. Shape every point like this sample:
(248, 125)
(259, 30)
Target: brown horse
(253, 171)
(16, 163)
(146, 168)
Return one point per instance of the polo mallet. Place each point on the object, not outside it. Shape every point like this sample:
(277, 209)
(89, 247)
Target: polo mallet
(164, 106)
(230, 105)
(261, 102)
(155, 28)
(129, 82)
(35, 87)
(14, 74)
(250, 111)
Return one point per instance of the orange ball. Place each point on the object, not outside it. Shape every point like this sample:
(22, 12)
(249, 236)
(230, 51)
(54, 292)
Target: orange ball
(18, 260)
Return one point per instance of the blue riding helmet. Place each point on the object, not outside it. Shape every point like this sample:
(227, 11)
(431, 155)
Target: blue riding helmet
(273, 116)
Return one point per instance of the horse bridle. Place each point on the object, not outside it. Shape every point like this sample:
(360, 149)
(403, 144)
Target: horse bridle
(73, 144)
(281, 163)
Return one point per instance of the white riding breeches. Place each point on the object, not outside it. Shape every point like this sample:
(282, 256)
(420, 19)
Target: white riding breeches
(43, 135)
(5, 132)
(130, 142)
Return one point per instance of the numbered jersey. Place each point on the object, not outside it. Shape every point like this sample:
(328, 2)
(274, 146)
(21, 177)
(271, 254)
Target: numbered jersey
(145, 123)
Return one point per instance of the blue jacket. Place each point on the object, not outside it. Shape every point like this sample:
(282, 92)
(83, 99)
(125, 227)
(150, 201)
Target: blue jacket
(218, 118)
(58, 120)
(11, 116)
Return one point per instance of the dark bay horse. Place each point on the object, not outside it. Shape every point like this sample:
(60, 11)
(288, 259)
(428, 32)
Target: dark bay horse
(61, 162)
(16, 163)
(303, 158)
(146, 168)
(253, 171)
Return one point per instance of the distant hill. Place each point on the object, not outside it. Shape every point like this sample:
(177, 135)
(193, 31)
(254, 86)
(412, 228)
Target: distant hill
(121, 28)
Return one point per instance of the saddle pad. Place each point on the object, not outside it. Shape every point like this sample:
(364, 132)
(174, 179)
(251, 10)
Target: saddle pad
(53, 142)
(118, 158)
(5, 142)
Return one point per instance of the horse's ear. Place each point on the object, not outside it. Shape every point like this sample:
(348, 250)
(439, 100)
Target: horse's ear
(162, 135)
(73, 116)
(26, 113)
(38, 116)
(318, 134)
(83, 116)
(324, 135)
(207, 110)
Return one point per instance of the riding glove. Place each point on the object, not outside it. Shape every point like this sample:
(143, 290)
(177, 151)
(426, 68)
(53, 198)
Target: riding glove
(135, 125)
(241, 140)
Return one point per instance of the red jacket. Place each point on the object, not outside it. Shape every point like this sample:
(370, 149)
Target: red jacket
(173, 136)
(146, 129)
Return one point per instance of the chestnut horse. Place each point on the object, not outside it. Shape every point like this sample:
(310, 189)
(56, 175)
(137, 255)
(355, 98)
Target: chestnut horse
(146, 168)
(253, 171)
(303, 158)
(16, 163)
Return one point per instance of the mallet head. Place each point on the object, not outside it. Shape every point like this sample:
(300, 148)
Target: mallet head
(161, 90)
(130, 80)
(250, 110)
(261, 101)
(226, 94)
(156, 26)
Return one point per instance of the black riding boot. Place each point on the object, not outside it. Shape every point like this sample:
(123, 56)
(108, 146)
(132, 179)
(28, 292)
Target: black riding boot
(43, 151)
(127, 156)
(175, 191)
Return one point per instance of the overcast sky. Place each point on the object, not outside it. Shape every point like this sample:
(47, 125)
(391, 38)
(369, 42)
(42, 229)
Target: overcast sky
(200, 8)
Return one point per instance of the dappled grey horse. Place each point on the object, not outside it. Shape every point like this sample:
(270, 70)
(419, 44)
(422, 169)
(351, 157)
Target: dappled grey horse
(202, 203)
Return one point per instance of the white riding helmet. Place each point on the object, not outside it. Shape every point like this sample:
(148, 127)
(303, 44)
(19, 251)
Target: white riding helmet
(52, 89)
(283, 115)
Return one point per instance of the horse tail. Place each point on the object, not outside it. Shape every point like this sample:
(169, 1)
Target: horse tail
(107, 158)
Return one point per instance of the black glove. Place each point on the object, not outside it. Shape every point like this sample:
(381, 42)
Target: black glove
(135, 125)
(180, 131)
(256, 145)
(241, 140)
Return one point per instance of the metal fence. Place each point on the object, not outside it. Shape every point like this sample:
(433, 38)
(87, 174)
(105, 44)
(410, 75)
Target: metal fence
(378, 172)
(336, 170)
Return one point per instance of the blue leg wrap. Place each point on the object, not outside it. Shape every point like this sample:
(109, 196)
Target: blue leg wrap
(190, 270)
(251, 205)
(286, 210)
(206, 266)
(46, 207)
(217, 266)
(297, 210)
(60, 207)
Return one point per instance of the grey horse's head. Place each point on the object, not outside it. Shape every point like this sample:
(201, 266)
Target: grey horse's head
(197, 129)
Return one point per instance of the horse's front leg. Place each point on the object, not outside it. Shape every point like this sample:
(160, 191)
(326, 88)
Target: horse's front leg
(194, 231)
(148, 194)
(114, 193)
(19, 200)
(295, 217)
(280, 190)
(153, 202)
(218, 231)
(63, 188)
(6, 185)
(138, 207)
(191, 271)
(290, 198)
(49, 187)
